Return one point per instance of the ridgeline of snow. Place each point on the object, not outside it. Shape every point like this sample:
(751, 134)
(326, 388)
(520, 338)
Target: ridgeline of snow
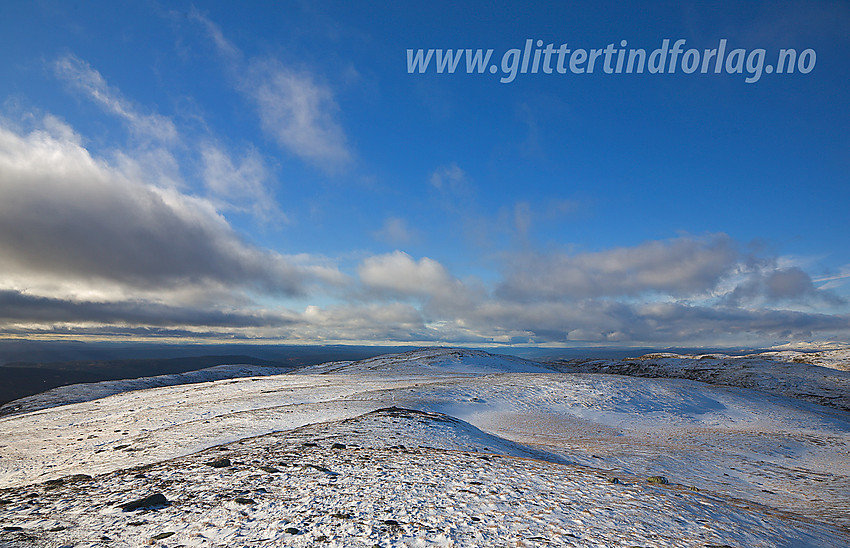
(77, 393)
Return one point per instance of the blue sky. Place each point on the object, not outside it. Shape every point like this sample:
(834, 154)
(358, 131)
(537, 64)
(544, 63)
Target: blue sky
(271, 171)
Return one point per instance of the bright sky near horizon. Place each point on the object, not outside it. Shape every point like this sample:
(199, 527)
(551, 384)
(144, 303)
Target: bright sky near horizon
(281, 171)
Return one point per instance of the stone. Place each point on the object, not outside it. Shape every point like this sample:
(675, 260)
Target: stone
(219, 463)
(157, 500)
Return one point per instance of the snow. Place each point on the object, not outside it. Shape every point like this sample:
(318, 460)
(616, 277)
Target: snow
(76, 393)
(421, 431)
(427, 361)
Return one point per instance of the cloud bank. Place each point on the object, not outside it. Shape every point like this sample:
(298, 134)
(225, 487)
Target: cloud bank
(679, 267)
(88, 245)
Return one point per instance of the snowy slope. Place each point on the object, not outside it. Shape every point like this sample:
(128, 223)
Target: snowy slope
(737, 442)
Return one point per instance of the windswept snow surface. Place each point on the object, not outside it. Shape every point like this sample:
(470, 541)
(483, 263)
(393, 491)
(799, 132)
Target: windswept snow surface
(417, 428)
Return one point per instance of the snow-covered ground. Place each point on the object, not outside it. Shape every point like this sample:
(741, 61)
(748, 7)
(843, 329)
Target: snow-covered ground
(835, 358)
(352, 483)
(745, 468)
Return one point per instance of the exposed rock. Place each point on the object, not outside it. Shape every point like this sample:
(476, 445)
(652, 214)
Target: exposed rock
(151, 502)
(219, 463)
(269, 469)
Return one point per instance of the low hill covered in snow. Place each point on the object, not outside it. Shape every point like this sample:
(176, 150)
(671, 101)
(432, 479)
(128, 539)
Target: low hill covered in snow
(820, 377)
(430, 361)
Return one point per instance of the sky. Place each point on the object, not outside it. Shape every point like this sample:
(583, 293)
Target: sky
(286, 172)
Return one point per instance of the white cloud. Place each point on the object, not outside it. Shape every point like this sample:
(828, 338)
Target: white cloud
(222, 44)
(299, 113)
(395, 231)
(78, 74)
(364, 323)
(620, 296)
(522, 218)
(399, 273)
(370, 316)
(322, 269)
(294, 107)
(91, 246)
(449, 178)
(241, 186)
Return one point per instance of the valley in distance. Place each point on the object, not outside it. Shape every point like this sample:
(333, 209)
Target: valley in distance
(241, 445)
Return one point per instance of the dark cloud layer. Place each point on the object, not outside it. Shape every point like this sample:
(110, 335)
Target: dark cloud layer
(779, 285)
(67, 215)
(683, 266)
(19, 308)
